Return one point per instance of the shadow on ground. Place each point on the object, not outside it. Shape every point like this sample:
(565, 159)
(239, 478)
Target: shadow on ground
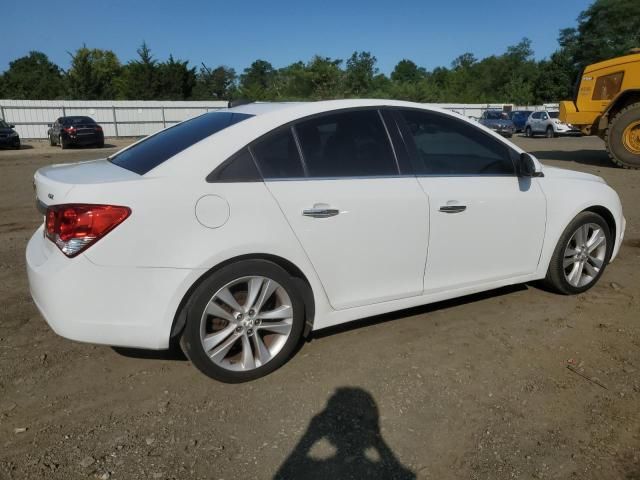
(344, 441)
(420, 310)
(597, 158)
(173, 353)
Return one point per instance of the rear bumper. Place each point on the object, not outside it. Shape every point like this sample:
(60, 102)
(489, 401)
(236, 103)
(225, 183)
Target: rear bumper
(85, 139)
(119, 306)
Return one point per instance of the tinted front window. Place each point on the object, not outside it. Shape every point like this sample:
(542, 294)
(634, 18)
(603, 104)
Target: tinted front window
(554, 114)
(448, 146)
(347, 144)
(158, 148)
(277, 155)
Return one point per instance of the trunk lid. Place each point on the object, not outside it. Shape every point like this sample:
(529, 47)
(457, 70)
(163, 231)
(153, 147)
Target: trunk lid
(53, 183)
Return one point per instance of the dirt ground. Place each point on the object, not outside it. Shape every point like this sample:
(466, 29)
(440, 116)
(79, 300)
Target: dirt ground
(475, 388)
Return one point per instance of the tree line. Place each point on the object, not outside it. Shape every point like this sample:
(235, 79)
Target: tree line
(607, 28)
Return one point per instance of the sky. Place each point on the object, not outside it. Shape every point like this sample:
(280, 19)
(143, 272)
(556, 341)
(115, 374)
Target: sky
(235, 33)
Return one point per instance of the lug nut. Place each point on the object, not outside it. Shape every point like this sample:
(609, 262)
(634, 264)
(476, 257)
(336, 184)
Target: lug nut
(257, 321)
(239, 316)
(238, 329)
(250, 331)
(252, 312)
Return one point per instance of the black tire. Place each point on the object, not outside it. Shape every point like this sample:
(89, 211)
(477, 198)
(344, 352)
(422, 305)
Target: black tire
(528, 132)
(613, 137)
(190, 340)
(550, 133)
(51, 141)
(555, 279)
(62, 143)
(100, 144)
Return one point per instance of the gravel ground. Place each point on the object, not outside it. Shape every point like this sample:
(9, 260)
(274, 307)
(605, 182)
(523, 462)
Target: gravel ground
(474, 388)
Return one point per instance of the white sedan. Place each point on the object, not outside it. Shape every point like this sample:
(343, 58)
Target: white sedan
(240, 231)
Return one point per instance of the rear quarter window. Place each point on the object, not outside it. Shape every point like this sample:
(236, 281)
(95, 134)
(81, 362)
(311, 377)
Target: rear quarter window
(158, 148)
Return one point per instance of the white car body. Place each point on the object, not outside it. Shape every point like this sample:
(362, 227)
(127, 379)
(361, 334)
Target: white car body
(542, 120)
(390, 247)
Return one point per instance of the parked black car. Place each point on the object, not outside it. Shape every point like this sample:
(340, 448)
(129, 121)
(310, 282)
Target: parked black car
(519, 118)
(68, 131)
(497, 121)
(8, 136)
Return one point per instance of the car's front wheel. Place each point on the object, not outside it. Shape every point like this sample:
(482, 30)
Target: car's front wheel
(550, 133)
(581, 255)
(243, 321)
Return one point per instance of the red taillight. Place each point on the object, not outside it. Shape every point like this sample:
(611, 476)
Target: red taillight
(98, 128)
(69, 129)
(75, 227)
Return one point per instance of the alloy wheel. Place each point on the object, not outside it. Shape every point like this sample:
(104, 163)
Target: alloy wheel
(246, 323)
(584, 255)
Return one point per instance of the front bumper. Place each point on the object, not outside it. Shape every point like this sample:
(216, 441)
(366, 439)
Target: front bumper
(10, 141)
(119, 306)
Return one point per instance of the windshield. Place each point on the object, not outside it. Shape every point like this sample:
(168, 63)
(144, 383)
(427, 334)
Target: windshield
(497, 116)
(158, 148)
(76, 120)
(554, 114)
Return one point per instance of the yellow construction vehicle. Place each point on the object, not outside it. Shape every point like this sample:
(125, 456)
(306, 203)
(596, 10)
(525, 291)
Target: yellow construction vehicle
(607, 103)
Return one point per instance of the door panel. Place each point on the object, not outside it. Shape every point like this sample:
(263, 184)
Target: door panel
(374, 248)
(498, 235)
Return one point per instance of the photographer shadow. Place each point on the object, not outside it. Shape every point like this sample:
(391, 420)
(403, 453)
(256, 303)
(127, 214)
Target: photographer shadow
(344, 441)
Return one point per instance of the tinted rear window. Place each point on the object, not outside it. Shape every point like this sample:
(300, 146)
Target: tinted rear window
(76, 120)
(158, 148)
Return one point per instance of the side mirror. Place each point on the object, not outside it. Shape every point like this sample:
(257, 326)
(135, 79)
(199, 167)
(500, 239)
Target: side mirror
(12, 126)
(528, 167)
(49, 125)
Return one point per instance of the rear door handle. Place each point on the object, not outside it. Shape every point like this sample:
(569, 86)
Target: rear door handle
(320, 212)
(453, 208)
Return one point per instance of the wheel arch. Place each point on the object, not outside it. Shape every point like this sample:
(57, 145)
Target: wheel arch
(620, 102)
(179, 319)
(605, 213)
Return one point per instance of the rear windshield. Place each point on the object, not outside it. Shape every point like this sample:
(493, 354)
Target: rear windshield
(158, 148)
(76, 120)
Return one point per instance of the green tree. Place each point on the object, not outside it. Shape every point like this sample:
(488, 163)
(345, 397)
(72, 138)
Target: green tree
(406, 71)
(606, 29)
(359, 74)
(174, 80)
(138, 79)
(555, 78)
(218, 83)
(33, 77)
(257, 80)
(93, 74)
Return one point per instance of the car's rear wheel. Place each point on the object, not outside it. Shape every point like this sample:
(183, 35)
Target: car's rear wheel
(244, 321)
(581, 255)
(51, 141)
(528, 132)
(62, 143)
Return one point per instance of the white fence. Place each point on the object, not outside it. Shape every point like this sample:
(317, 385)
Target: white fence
(118, 118)
(139, 118)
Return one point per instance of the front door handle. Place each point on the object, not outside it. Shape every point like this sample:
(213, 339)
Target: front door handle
(320, 212)
(453, 208)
